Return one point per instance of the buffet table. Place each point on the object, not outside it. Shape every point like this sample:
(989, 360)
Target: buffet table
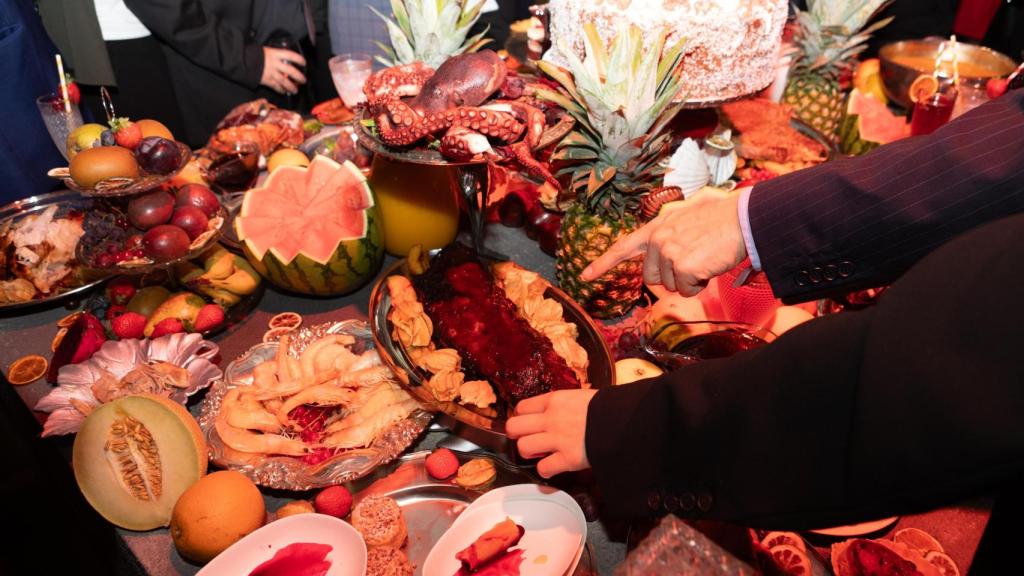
(959, 528)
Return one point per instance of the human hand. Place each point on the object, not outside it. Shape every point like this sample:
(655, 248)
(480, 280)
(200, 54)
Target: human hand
(684, 247)
(279, 71)
(555, 425)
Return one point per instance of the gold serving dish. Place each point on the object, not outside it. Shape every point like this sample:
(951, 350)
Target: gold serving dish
(902, 62)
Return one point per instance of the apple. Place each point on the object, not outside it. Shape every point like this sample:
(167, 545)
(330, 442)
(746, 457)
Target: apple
(630, 370)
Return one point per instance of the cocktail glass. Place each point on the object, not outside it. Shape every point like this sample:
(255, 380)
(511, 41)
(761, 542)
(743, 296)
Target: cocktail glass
(349, 72)
(60, 123)
(676, 344)
(932, 112)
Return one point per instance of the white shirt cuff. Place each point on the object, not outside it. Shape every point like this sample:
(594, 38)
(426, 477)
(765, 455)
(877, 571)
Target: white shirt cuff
(748, 236)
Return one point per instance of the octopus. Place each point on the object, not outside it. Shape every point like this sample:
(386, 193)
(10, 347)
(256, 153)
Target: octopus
(413, 101)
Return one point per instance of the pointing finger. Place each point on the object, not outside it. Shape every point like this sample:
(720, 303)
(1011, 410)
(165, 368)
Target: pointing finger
(627, 247)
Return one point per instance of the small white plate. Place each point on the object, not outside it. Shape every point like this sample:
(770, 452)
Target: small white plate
(857, 529)
(347, 557)
(555, 530)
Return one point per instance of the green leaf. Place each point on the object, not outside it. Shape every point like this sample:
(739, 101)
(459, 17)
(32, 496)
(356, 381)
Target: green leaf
(562, 76)
(595, 48)
(599, 176)
(401, 16)
(570, 153)
(469, 16)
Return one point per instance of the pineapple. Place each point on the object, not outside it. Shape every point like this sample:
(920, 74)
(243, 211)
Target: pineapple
(829, 36)
(621, 99)
(430, 31)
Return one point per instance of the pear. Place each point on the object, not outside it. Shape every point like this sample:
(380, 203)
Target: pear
(184, 306)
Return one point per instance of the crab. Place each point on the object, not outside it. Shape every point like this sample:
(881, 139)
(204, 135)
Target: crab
(258, 122)
(412, 102)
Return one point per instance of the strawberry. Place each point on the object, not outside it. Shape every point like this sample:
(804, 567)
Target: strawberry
(120, 291)
(167, 326)
(442, 463)
(128, 325)
(996, 87)
(115, 310)
(127, 134)
(334, 501)
(208, 318)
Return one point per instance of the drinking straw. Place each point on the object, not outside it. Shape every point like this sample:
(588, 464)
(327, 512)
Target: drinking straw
(956, 68)
(63, 85)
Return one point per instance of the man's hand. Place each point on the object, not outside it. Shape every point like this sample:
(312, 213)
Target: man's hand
(279, 71)
(555, 425)
(684, 247)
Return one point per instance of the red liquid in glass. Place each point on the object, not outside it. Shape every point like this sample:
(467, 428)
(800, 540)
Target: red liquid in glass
(234, 172)
(931, 113)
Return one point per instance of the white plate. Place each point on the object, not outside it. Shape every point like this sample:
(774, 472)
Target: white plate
(348, 557)
(555, 530)
(857, 529)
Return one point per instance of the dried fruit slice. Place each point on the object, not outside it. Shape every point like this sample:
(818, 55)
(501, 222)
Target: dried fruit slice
(27, 369)
(773, 539)
(285, 320)
(133, 458)
(57, 339)
(943, 562)
(923, 86)
(791, 560)
(68, 320)
(918, 540)
(274, 334)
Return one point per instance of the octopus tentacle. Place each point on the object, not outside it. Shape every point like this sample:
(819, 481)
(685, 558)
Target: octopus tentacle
(521, 153)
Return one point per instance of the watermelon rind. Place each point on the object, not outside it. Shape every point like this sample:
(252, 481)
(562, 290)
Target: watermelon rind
(858, 135)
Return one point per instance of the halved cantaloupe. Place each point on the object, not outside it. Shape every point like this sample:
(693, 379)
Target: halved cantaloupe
(134, 456)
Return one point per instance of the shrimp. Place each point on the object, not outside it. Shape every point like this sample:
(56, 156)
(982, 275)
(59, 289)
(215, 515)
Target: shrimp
(245, 412)
(371, 425)
(246, 441)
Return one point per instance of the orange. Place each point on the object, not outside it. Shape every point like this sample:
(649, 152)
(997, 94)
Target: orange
(285, 320)
(943, 562)
(791, 560)
(27, 369)
(286, 157)
(924, 86)
(918, 540)
(214, 513)
(153, 128)
(774, 539)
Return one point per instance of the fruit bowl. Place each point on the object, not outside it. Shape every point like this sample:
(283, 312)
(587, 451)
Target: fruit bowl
(112, 187)
(292, 473)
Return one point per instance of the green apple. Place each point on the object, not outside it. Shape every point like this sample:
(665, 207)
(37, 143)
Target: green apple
(84, 137)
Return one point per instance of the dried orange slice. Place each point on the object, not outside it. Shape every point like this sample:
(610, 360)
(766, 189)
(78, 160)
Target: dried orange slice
(791, 560)
(923, 86)
(289, 320)
(774, 539)
(27, 369)
(57, 339)
(943, 562)
(68, 320)
(918, 540)
(274, 334)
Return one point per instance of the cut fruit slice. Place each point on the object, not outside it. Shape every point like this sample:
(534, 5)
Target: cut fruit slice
(27, 369)
(285, 320)
(918, 540)
(773, 539)
(943, 562)
(923, 86)
(791, 560)
(134, 456)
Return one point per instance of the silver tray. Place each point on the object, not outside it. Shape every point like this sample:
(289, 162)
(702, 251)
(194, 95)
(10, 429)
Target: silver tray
(67, 200)
(431, 506)
(475, 425)
(291, 473)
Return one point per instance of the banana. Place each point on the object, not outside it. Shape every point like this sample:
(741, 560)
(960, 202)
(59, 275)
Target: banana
(219, 265)
(221, 296)
(186, 272)
(239, 282)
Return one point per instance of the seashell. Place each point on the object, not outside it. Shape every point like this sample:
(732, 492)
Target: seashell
(720, 156)
(687, 168)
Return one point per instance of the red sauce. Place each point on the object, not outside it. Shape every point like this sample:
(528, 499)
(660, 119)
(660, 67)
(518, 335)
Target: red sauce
(298, 559)
(505, 565)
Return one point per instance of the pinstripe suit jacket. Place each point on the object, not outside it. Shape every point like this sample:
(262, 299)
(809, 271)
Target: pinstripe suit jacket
(857, 223)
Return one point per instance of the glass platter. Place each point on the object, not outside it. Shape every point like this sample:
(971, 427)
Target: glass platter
(66, 200)
(289, 473)
(477, 426)
(124, 186)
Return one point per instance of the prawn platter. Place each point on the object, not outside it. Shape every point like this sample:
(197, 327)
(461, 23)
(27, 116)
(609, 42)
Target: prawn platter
(316, 408)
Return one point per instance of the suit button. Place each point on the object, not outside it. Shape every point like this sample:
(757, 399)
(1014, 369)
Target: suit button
(802, 278)
(845, 269)
(671, 503)
(687, 501)
(654, 501)
(831, 271)
(704, 501)
(815, 275)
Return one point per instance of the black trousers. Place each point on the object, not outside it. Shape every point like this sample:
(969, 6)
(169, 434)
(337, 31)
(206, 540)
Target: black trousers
(143, 88)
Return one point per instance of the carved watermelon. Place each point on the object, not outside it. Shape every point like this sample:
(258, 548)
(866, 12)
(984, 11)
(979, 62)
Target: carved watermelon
(312, 230)
(868, 124)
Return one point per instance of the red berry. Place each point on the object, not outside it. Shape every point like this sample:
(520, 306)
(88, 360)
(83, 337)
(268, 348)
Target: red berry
(167, 326)
(334, 501)
(129, 325)
(74, 94)
(115, 310)
(127, 134)
(120, 291)
(442, 464)
(996, 87)
(105, 261)
(208, 318)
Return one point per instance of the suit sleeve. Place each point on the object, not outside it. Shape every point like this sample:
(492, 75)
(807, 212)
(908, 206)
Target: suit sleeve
(202, 38)
(901, 407)
(860, 222)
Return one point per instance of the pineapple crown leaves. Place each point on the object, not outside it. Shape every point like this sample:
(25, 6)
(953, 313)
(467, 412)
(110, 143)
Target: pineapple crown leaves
(621, 99)
(430, 31)
(830, 34)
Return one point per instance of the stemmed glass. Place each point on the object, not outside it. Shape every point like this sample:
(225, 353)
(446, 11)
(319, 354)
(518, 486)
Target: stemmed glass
(60, 122)
(349, 72)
